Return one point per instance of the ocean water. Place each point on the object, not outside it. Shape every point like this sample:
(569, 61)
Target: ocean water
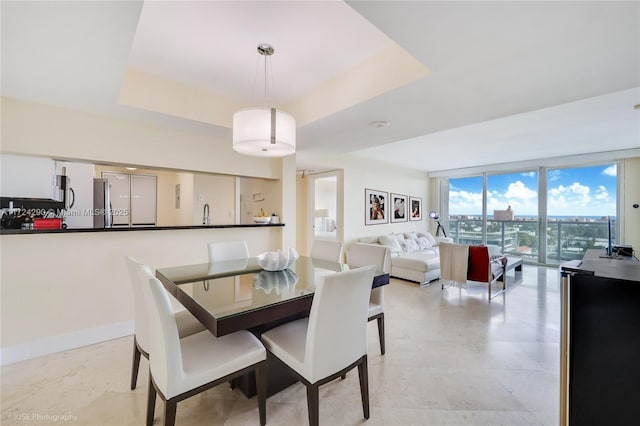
(553, 218)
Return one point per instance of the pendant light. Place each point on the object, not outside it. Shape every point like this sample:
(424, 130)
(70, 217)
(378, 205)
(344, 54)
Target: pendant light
(264, 131)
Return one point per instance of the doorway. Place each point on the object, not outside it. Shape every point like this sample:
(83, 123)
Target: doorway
(325, 214)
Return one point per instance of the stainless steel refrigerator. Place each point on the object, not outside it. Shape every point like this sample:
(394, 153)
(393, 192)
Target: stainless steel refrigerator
(102, 217)
(131, 200)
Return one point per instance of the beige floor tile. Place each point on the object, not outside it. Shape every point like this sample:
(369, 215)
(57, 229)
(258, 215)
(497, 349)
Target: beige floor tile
(453, 358)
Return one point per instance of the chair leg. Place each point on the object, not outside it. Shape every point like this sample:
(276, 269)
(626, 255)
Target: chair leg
(381, 332)
(363, 373)
(151, 401)
(313, 404)
(261, 386)
(135, 364)
(170, 412)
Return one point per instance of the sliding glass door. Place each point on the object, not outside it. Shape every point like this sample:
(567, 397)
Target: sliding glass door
(512, 213)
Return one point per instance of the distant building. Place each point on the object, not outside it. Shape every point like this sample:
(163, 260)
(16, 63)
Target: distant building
(507, 214)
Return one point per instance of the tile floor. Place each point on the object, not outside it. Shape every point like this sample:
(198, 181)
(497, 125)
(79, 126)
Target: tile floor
(452, 359)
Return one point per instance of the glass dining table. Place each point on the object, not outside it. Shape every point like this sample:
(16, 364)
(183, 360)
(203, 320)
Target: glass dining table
(229, 296)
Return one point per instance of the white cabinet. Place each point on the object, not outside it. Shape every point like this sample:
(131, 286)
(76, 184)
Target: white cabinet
(26, 177)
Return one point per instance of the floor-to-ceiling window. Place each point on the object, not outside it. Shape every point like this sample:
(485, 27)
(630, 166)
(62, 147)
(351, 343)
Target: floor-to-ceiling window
(546, 215)
(580, 203)
(512, 213)
(465, 210)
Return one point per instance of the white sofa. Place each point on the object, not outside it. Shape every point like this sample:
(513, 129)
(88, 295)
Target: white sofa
(414, 256)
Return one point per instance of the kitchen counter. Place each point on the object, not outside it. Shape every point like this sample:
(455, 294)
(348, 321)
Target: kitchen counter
(137, 228)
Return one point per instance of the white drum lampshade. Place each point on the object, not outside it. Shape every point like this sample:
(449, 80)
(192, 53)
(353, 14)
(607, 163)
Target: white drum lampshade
(256, 133)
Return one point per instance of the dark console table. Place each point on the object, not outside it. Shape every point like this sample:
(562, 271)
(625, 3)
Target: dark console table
(600, 341)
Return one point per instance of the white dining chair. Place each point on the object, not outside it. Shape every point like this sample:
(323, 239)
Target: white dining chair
(332, 340)
(139, 275)
(228, 250)
(182, 367)
(360, 254)
(326, 250)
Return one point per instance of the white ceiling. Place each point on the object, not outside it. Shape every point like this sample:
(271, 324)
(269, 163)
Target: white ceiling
(508, 81)
(212, 44)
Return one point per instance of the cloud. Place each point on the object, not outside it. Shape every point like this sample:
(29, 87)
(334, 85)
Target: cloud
(529, 174)
(569, 198)
(575, 194)
(554, 175)
(520, 191)
(602, 193)
(612, 170)
(464, 202)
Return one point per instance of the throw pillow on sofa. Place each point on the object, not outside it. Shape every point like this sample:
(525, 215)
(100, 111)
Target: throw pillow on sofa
(398, 236)
(430, 238)
(411, 235)
(423, 243)
(409, 246)
(391, 242)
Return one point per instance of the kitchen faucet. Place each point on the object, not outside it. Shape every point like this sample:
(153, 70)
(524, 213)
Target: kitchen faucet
(205, 215)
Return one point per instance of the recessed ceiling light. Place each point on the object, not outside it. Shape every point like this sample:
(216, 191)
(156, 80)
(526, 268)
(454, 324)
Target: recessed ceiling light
(131, 168)
(379, 124)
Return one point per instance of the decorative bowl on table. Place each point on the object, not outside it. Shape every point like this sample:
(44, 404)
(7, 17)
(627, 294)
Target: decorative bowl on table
(278, 260)
(262, 219)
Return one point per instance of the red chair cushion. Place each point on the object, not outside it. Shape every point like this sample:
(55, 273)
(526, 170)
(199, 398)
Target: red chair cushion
(478, 267)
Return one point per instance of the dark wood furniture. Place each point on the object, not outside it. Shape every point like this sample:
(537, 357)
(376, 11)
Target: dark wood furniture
(600, 340)
(228, 296)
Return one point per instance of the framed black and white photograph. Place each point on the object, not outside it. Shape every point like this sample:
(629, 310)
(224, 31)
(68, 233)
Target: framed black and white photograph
(416, 208)
(399, 208)
(376, 209)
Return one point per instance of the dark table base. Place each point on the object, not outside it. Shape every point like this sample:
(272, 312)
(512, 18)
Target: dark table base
(279, 377)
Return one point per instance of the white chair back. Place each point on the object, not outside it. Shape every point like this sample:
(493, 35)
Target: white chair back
(139, 275)
(454, 260)
(337, 330)
(361, 254)
(326, 250)
(165, 358)
(230, 250)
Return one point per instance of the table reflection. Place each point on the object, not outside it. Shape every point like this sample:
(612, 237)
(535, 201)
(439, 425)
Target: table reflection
(280, 281)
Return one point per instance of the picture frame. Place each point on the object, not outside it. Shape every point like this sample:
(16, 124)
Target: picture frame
(376, 207)
(399, 208)
(415, 204)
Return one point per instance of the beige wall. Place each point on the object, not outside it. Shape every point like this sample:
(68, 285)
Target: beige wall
(301, 214)
(219, 192)
(62, 288)
(630, 229)
(359, 174)
(259, 195)
(36, 129)
(79, 292)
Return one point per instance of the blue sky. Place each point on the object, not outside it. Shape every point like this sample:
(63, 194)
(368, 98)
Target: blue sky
(584, 191)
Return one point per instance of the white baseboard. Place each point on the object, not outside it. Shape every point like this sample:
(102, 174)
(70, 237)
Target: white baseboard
(54, 344)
